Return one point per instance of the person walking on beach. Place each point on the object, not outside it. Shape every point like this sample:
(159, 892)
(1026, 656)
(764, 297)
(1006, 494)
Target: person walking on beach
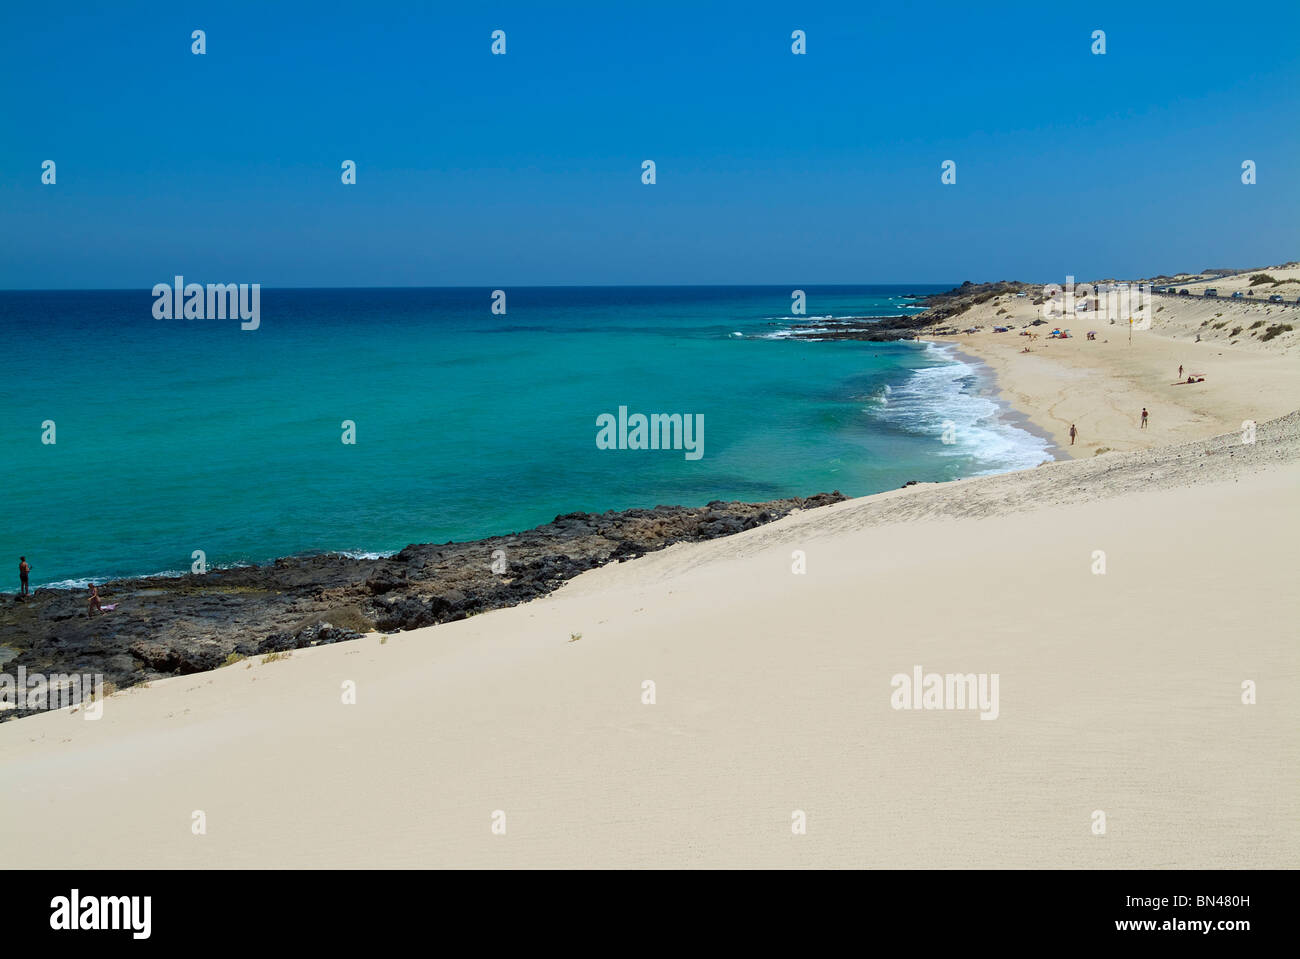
(93, 603)
(23, 570)
(1073, 434)
(1180, 371)
(1144, 417)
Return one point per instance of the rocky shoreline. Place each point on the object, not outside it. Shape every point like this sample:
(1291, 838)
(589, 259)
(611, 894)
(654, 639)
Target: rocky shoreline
(941, 308)
(166, 626)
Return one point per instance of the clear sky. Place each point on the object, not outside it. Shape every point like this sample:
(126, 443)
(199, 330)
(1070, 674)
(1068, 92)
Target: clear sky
(474, 169)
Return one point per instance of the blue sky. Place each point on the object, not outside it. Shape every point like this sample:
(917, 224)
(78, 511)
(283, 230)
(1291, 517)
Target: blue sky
(520, 169)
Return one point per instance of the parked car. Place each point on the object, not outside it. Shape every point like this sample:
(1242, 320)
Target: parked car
(1275, 298)
(1184, 292)
(1237, 295)
(1211, 292)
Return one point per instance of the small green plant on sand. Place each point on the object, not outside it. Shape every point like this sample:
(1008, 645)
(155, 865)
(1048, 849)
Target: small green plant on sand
(275, 657)
(233, 658)
(574, 637)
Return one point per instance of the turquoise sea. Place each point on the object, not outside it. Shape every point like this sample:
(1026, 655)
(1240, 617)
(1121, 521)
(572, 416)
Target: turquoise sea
(178, 435)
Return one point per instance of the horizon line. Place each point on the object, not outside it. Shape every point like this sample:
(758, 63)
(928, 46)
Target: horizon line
(517, 286)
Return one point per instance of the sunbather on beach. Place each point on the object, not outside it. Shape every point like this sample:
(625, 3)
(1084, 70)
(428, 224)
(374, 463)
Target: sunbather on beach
(93, 603)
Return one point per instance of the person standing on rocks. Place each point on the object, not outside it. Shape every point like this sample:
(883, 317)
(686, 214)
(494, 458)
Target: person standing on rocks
(23, 570)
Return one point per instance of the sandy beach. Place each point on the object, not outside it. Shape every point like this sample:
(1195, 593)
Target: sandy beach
(1102, 385)
(772, 690)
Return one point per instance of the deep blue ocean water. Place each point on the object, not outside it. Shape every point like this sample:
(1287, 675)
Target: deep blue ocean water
(178, 435)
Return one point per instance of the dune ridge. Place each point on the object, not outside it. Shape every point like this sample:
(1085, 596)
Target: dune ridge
(1121, 693)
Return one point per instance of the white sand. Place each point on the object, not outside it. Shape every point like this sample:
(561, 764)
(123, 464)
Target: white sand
(1102, 385)
(1118, 692)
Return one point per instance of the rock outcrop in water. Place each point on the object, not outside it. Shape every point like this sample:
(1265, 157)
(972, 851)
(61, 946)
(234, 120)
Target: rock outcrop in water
(175, 625)
(940, 308)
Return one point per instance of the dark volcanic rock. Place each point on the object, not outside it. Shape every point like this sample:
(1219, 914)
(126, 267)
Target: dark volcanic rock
(940, 308)
(386, 581)
(275, 643)
(156, 656)
(404, 612)
(195, 657)
(174, 625)
(317, 634)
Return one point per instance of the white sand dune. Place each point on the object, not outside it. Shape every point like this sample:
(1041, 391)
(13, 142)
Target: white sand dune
(1118, 692)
